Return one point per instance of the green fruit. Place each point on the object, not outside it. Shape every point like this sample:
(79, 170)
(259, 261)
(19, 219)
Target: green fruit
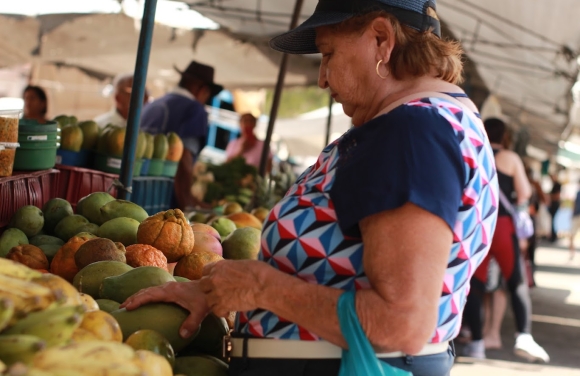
(90, 131)
(71, 138)
(7, 310)
(54, 211)
(149, 146)
(69, 226)
(141, 145)
(12, 237)
(242, 244)
(90, 206)
(198, 217)
(19, 348)
(151, 340)
(122, 230)
(89, 228)
(161, 317)
(224, 226)
(160, 146)
(180, 279)
(99, 249)
(121, 287)
(200, 365)
(29, 219)
(39, 240)
(89, 279)
(209, 340)
(107, 305)
(123, 208)
(49, 250)
(87, 235)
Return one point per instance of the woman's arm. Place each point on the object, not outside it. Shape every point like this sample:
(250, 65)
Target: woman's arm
(521, 183)
(406, 251)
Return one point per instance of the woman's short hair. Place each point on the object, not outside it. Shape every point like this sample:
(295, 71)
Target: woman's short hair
(416, 53)
(495, 129)
(249, 116)
(40, 93)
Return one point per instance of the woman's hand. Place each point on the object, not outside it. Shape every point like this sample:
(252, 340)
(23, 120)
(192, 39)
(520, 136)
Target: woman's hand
(233, 285)
(185, 294)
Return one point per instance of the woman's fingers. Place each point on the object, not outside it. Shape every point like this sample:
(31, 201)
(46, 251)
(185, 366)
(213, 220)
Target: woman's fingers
(190, 325)
(148, 295)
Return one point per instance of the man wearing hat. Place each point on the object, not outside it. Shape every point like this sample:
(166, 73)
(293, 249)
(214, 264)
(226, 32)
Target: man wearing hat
(183, 111)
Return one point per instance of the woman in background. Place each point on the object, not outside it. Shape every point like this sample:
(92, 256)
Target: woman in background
(35, 104)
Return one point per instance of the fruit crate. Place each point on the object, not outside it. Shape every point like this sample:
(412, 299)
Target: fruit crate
(26, 188)
(152, 193)
(77, 182)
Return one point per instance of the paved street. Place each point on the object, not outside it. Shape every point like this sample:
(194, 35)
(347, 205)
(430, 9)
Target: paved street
(556, 323)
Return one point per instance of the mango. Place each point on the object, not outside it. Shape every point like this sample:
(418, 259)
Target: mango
(90, 131)
(49, 250)
(153, 341)
(12, 237)
(99, 249)
(181, 279)
(202, 227)
(90, 206)
(89, 279)
(86, 235)
(149, 146)
(69, 226)
(54, 211)
(120, 287)
(224, 226)
(122, 230)
(116, 142)
(242, 244)
(122, 208)
(243, 219)
(71, 138)
(175, 150)
(107, 305)
(166, 319)
(232, 207)
(206, 242)
(260, 213)
(200, 365)
(89, 228)
(209, 340)
(160, 147)
(141, 145)
(29, 219)
(39, 240)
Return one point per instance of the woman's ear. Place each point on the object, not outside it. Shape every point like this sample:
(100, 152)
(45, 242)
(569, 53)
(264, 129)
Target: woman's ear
(384, 34)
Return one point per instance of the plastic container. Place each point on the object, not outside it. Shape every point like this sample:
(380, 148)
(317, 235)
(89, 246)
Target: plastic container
(112, 165)
(156, 167)
(153, 194)
(145, 167)
(76, 182)
(7, 155)
(80, 158)
(33, 131)
(169, 169)
(9, 125)
(30, 157)
(22, 189)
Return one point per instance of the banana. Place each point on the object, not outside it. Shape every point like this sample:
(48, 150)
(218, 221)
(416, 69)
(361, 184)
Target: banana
(17, 270)
(2, 367)
(56, 326)
(19, 348)
(6, 313)
(64, 292)
(26, 296)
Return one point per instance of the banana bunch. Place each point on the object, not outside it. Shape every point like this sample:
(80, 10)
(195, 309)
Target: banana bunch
(23, 295)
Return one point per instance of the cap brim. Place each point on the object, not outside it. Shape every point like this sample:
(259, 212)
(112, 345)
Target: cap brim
(215, 89)
(302, 39)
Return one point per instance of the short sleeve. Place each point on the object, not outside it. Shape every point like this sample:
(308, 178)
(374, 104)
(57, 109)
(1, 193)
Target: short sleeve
(194, 123)
(411, 154)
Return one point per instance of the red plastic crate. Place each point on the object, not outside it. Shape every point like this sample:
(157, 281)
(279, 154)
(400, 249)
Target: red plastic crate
(77, 182)
(22, 189)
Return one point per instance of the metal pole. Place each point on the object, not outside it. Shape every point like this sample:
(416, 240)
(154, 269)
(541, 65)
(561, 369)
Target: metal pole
(137, 94)
(278, 94)
(328, 120)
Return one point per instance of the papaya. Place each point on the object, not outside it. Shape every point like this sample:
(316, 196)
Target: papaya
(122, 208)
(69, 226)
(116, 142)
(149, 146)
(160, 147)
(102, 325)
(153, 341)
(107, 305)
(90, 131)
(12, 237)
(175, 150)
(120, 287)
(89, 279)
(29, 219)
(141, 145)
(54, 210)
(200, 365)
(71, 138)
(99, 249)
(122, 230)
(90, 206)
(161, 317)
(103, 139)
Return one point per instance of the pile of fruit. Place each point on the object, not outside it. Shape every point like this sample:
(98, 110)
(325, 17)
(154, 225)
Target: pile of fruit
(63, 276)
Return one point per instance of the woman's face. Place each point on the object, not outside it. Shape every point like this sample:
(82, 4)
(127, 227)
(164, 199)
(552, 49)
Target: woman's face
(347, 68)
(33, 105)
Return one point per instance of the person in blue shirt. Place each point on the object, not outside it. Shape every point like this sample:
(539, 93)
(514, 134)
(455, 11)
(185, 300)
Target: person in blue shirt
(182, 111)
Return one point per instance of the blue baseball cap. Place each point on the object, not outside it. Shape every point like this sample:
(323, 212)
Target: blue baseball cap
(301, 40)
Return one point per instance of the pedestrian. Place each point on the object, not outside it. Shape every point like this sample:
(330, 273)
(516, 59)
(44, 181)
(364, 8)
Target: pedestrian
(396, 212)
(554, 205)
(35, 104)
(248, 146)
(514, 185)
(182, 111)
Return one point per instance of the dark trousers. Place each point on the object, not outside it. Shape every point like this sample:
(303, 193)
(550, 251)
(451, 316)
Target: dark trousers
(553, 209)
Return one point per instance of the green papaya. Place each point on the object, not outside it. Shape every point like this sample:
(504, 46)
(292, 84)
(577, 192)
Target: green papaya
(122, 230)
(122, 208)
(107, 305)
(120, 287)
(209, 340)
(89, 279)
(90, 206)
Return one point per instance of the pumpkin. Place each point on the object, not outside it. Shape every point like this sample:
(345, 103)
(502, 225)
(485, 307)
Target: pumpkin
(29, 255)
(145, 255)
(169, 232)
(63, 263)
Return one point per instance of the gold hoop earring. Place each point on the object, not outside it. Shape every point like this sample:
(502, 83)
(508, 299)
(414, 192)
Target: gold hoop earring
(379, 73)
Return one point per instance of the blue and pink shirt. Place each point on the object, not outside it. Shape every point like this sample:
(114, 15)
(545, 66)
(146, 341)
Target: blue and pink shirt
(427, 152)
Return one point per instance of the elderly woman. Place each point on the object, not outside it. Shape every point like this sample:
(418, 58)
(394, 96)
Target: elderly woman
(400, 209)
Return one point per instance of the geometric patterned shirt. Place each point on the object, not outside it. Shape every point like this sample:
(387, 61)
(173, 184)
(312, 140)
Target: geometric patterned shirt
(426, 152)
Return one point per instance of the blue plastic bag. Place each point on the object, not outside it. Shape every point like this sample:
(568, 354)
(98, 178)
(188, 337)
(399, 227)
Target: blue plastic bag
(360, 358)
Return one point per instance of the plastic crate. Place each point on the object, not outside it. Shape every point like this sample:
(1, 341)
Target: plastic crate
(152, 193)
(77, 182)
(22, 189)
